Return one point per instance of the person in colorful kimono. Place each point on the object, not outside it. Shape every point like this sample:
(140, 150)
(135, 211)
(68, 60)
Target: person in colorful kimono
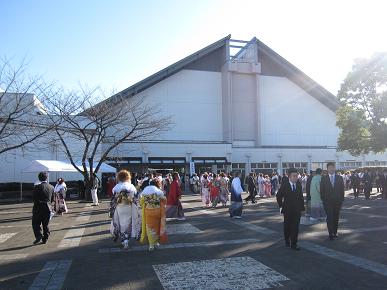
(124, 210)
(205, 190)
(174, 207)
(215, 190)
(60, 189)
(236, 206)
(153, 201)
(224, 192)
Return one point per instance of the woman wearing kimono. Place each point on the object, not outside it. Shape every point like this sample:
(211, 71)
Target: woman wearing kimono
(223, 196)
(236, 206)
(153, 203)
(60, 189)
(174, 207)
(215, 190)
(205, 190)
(124, 210)
(267, 186)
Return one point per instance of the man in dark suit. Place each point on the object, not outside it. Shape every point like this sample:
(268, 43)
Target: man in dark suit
(291, 201)
(42, 198)
(383, 183)
(332, 195)
(250, 181)
(367, 181)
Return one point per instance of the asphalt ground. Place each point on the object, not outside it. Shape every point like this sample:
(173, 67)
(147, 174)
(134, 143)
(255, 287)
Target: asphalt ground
(207, 251)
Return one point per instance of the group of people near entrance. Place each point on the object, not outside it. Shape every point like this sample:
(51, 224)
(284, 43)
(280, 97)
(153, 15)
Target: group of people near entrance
(139, 214)
(327, 196)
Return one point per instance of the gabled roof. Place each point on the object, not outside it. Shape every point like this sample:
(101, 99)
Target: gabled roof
(166, 72)
(287, 69)
(300, 78)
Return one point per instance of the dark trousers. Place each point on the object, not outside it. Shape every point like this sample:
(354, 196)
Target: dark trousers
(291, 225)
(252, 194)
(41, 216)
(356, 191)
(333, 215)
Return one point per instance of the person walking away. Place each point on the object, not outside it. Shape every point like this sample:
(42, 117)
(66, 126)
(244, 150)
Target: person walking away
(383, 183)
(153, 229)
(205, 190)
(124, 211)
(367, 181)
(307, 188)
(174, 207)
(251, 188)
(317, 209)
(274, 184)
(42, 197)
(60, 189)
(355, 183)
(94, 190)
(223, 189)
(332, 195)
(236, 206)
(291, 202)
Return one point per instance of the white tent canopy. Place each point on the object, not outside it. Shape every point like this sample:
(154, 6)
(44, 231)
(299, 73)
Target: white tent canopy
(61, 166)
(49, 166)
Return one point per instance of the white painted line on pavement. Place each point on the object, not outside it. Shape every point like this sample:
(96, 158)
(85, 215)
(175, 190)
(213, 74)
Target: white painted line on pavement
(206, 211)
(347, 258)
(72, 238)
(83, 218)
(52, 275)
(226, 273)
(24, 226)
(254, 228)
(13, 257)
(180, 245)
(6, 236)
(347, 231)
(182, 229)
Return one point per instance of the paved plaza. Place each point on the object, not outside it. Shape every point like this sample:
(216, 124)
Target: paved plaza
(207, 251)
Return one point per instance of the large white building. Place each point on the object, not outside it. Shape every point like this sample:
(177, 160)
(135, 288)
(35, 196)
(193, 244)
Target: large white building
(238, 105)
(235, 105)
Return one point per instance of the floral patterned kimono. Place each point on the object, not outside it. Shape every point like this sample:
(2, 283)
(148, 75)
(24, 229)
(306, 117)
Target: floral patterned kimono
(60, 206)
(205, 192)
(153, 227)
(224, 192)
(125, 213)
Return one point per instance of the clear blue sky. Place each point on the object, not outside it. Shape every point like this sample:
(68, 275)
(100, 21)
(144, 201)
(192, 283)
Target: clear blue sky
(116, 43)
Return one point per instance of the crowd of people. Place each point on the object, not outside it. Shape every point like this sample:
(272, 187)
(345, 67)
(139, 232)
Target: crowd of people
(140, 205)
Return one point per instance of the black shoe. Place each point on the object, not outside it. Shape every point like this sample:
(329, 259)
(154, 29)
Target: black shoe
(44, 241)
(37, 241)
(296, 248)
(331, 238)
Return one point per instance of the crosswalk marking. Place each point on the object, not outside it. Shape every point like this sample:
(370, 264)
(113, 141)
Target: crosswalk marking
(254, 228)
(347, 258)
(13, 257)
(72, 238)
(6, 236)
(52, 275)
(180, 245)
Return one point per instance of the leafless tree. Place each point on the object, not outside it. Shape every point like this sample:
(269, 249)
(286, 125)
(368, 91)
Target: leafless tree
(90, 130)
(21, 120)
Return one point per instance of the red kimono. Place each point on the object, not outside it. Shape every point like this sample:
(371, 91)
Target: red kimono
(174, 207)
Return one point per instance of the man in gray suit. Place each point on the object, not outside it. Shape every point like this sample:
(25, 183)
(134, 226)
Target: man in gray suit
(332, 195)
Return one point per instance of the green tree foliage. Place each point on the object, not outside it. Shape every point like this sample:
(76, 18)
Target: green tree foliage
(362, 116)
